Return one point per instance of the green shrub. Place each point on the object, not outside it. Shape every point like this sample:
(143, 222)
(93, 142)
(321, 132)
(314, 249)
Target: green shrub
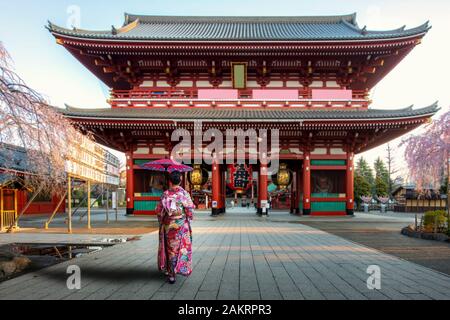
(431, 217)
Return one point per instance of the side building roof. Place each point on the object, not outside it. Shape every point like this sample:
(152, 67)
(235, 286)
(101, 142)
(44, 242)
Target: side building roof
(13, 159)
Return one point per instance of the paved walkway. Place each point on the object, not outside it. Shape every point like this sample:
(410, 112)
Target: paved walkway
(238, 256)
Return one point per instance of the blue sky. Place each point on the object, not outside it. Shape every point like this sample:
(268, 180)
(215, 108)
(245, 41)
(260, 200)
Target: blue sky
(420, 79)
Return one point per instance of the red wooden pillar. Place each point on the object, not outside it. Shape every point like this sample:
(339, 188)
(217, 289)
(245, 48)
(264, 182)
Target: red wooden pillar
(223, 191)
(253, 192)
(262, 189)
(349, 185)
(307, 184)
(130, 183)
(298, 191)
(216, 188)
(292, 197)
(293, 200)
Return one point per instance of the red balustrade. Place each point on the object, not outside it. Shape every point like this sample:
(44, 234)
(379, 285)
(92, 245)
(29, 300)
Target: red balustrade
(189, 97)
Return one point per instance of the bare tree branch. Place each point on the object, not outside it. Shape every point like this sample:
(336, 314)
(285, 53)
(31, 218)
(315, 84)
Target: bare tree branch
(27, 120)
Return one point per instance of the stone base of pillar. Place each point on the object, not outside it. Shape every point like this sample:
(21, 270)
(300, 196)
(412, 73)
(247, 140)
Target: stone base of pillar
(130, 211)
(262, 212)
(306, 212)
(297, 211)
(350, 212)
(216, 211)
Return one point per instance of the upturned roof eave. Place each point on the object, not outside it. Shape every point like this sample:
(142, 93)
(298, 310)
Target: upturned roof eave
(361, 35)
(391, 115)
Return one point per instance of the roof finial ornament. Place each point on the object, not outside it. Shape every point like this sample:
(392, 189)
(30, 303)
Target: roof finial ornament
(364, 30)
(113, 30)
(354, 15)
(409, 108)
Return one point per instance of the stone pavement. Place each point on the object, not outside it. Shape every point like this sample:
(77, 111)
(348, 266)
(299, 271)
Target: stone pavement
(238, 256)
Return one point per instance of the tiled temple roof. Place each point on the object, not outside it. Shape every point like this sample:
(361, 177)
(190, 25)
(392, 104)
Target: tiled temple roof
(13, 157)
(239, 114)
(199, 28)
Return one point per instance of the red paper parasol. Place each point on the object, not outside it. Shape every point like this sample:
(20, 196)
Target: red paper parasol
(166, 165)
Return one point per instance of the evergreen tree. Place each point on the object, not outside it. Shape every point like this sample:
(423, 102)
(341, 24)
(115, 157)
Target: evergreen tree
(381, 173)
(361, 188)
(364, 170)
(381, 187)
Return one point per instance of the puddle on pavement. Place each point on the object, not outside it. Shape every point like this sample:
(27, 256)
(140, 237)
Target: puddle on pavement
(17, 259)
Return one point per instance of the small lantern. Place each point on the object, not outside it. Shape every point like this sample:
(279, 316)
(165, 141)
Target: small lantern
(283, 178)
(239, 177)
(198, 177)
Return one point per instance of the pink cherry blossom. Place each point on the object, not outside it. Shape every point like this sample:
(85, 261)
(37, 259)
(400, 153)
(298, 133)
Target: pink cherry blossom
(427, 154)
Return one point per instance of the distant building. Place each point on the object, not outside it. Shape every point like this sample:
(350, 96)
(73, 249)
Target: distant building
(409, 199)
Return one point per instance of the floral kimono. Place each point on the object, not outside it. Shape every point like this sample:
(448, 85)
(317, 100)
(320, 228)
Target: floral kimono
(175, 212)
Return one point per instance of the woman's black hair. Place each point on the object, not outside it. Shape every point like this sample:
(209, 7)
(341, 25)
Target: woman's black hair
(175, 177)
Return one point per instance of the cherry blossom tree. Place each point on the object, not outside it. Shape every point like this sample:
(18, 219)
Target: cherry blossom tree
(28, 121)
(427, 154)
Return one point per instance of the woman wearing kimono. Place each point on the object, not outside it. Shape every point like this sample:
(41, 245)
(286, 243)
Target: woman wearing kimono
(175, 213)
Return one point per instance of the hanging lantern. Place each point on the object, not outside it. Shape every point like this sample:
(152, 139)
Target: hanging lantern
(283, 178)
(198, 177)
(239, 177)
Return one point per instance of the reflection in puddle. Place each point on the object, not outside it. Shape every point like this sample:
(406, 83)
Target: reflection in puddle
(19, 258)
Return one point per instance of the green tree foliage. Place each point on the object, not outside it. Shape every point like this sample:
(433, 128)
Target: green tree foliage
(364, 170)
(435, 219)
(381, 187)
(79, 196)
(362, 188)
(382, 173)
